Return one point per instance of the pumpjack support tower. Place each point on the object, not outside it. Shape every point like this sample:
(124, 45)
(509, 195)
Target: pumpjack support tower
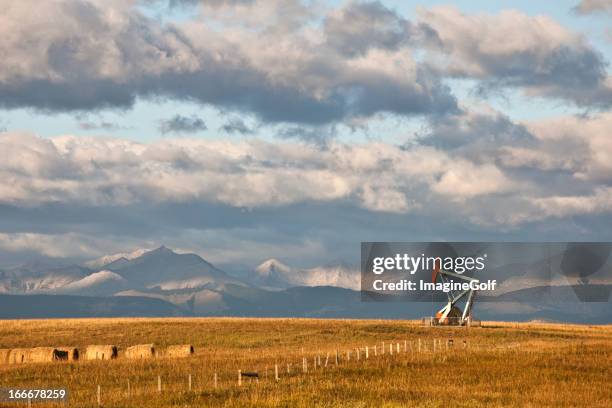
(452, 314)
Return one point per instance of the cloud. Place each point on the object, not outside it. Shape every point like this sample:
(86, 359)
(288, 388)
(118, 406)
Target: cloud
(512, 49)
(563, 206)
(66, 245)
(242, 174)
(252, 66)
(250, 199)
(480, 135)
(579, 146)
(286, 61)
(466, 180)
(500, 172)
(236, 126)
(315, 134)
(358, 27)
(593, 6)
(108, 126)
(182, 124)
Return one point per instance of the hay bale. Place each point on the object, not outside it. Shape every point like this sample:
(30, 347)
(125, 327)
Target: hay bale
(4, 356)
(18, 356)
(101, 352)
(179, 350)
(73, 352)
(36, 355)
(140, 351)
(46, 354)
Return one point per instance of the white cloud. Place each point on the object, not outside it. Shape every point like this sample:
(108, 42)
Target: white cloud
(581, 146)
(466, 180)
(259, 57)
(593, 6)
(377, 176)
(534, 53)
(563, 206)
(57, 245)
(285, 60)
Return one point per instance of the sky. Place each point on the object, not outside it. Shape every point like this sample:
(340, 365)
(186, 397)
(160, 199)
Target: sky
(246, 129)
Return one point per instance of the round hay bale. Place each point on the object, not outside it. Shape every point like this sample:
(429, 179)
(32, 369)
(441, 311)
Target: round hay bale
(36, 355)
(4, 356)
(140, 351)
(101, 352)
(18, 356)
(180, 350)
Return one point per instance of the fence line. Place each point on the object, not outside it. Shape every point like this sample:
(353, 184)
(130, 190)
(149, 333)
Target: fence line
(395, 350)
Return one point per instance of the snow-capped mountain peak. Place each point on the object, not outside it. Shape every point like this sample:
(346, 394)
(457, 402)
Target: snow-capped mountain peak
(272, 266)
(108, 259)
(274, 274)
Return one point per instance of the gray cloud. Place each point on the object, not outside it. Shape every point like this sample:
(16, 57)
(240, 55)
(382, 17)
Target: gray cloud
(134, 56)
(103, 125)
(473, 176)
(354, 61)
(315, 134)
(491, 129)
(358, 27)
(512, 49)
(236, 126)
(182, 124)
(593, 6)
(476, 157)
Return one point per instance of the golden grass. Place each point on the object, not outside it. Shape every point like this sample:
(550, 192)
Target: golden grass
(505, 364)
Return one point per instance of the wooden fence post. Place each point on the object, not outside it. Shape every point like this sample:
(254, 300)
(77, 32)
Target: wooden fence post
(276, 372)
(375, 352)
(367, 353)
(326, 359)
(383, 348)
(159, 383)
(99, 399)
(189, 382)
(239, 378)
(348, 355)
(215, 380)
(288, 368)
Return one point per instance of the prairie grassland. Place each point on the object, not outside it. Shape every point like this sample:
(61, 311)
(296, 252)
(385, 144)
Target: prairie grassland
(503, 364)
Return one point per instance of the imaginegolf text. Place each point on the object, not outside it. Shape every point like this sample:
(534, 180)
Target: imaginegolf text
(407, 285)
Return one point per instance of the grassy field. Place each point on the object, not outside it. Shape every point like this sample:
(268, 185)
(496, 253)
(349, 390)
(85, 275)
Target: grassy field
(501, 364)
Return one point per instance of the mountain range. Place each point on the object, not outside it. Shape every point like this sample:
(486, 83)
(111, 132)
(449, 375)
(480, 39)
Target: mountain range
(162, 282)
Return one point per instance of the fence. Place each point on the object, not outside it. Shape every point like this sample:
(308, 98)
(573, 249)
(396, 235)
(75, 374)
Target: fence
(311, 363)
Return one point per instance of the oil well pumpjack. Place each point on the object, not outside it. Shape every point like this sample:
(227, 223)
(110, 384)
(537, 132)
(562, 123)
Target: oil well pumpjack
(451, 314)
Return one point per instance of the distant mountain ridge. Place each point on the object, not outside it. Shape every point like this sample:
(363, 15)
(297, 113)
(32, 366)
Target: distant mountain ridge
(274, 274)
(169, 270)
(166, 283)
